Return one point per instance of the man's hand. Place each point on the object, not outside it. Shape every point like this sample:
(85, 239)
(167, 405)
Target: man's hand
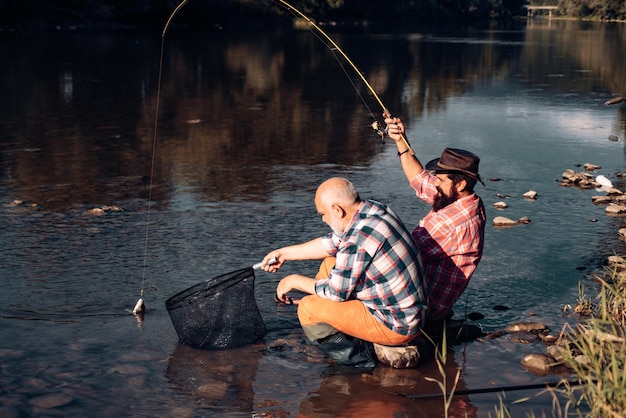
(395, 128)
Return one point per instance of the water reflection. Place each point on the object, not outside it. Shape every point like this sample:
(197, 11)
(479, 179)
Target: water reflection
(248, 127)
(215, 380)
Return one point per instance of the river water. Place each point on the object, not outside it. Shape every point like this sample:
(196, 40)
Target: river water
(248, 125)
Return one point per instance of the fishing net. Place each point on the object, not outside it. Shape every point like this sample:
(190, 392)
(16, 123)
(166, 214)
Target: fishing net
(218, 313)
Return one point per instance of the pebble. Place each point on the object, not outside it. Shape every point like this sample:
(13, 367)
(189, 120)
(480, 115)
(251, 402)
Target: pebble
(536, 363)
(51, 400)
(531, 194)
(527, 327)
(503, 221)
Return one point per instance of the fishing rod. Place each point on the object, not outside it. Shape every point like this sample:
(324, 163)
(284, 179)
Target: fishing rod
(489, 390)
(376, 125)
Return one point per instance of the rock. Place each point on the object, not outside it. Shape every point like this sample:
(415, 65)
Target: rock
(51, 400)
(95, 212)
(531, 194)
(555, 352)
(622, 232)
(527, 327)
(601, 199)
(402, 357)
(503, 221)
(615, 261)
(536, 363)
(524, 220)
(523, 337)
(591, 167)
(614, 100)
(613, 138)
(475, 316)
(614, 208)
(500, 205)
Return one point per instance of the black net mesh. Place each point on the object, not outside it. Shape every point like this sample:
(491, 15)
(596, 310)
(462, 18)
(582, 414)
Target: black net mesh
(218, 313)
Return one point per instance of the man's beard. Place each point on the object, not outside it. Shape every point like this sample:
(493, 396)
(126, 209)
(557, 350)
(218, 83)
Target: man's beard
(441, 201)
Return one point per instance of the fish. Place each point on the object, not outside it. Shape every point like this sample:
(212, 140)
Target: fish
(140, 307)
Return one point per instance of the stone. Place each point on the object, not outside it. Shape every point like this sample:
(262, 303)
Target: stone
(536, 363)
(401, 357)
(601, 199)
(591, 167)
(614, 208)
(535, 327)
(500, 205)
(531, 194)
(503, 221)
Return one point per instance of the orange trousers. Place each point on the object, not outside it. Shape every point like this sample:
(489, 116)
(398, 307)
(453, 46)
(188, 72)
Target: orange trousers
(319, 316)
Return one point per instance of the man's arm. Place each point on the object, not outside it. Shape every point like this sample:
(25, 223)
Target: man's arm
(311, 250)
(295, 282)
(411, 165)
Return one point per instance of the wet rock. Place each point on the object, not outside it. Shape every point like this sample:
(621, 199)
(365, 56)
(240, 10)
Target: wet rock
(531, 194)
(495, 334)
(475, 316)
(524, 220)
(500, 308)
(95, 212)
(52, 400)
(549, 339)
(591, 167)
(613, 138)
(536, 363)
(503, 221)
(500, 205)
(128, 369)
(615, 261)
(5, 352)
(523, 337)
(534, 327)
(601, 199)
(615, 209)
(613, 101)
(556, 353)
(398, 357)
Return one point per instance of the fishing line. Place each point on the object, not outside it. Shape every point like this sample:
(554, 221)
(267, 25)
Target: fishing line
(376, 125)
(345, 71)
(140, 306)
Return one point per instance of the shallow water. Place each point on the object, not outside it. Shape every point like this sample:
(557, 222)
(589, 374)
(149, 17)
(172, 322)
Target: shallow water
(249, 125)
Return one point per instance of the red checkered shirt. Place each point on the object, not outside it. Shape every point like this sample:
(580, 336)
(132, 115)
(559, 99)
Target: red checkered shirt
(451, 244)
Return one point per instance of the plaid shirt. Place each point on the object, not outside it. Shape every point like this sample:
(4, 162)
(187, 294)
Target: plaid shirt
(377, 263)
(450, 242)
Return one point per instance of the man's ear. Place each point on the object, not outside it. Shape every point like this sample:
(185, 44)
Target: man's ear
(461, 185)
(339, 211)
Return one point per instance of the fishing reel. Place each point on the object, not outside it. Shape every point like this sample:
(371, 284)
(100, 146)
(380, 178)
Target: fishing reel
(380, 131)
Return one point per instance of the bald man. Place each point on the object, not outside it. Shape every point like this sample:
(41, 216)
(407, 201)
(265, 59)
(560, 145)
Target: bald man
(373, 291)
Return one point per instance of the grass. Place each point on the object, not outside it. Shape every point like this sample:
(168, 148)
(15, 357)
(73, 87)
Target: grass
(594, 350)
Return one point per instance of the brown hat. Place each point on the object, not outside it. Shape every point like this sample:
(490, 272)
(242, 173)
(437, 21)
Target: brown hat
(456, 160)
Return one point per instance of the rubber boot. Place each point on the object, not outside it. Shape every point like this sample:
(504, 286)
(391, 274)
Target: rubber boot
(348, 351)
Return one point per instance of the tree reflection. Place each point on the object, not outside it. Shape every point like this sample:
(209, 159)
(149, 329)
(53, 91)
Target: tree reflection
(236, 108)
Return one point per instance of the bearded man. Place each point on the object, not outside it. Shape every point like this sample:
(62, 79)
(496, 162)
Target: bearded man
(451, 236)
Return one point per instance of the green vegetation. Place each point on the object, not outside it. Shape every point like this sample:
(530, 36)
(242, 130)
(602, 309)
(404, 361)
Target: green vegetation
(597, 352)
(596, 9)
